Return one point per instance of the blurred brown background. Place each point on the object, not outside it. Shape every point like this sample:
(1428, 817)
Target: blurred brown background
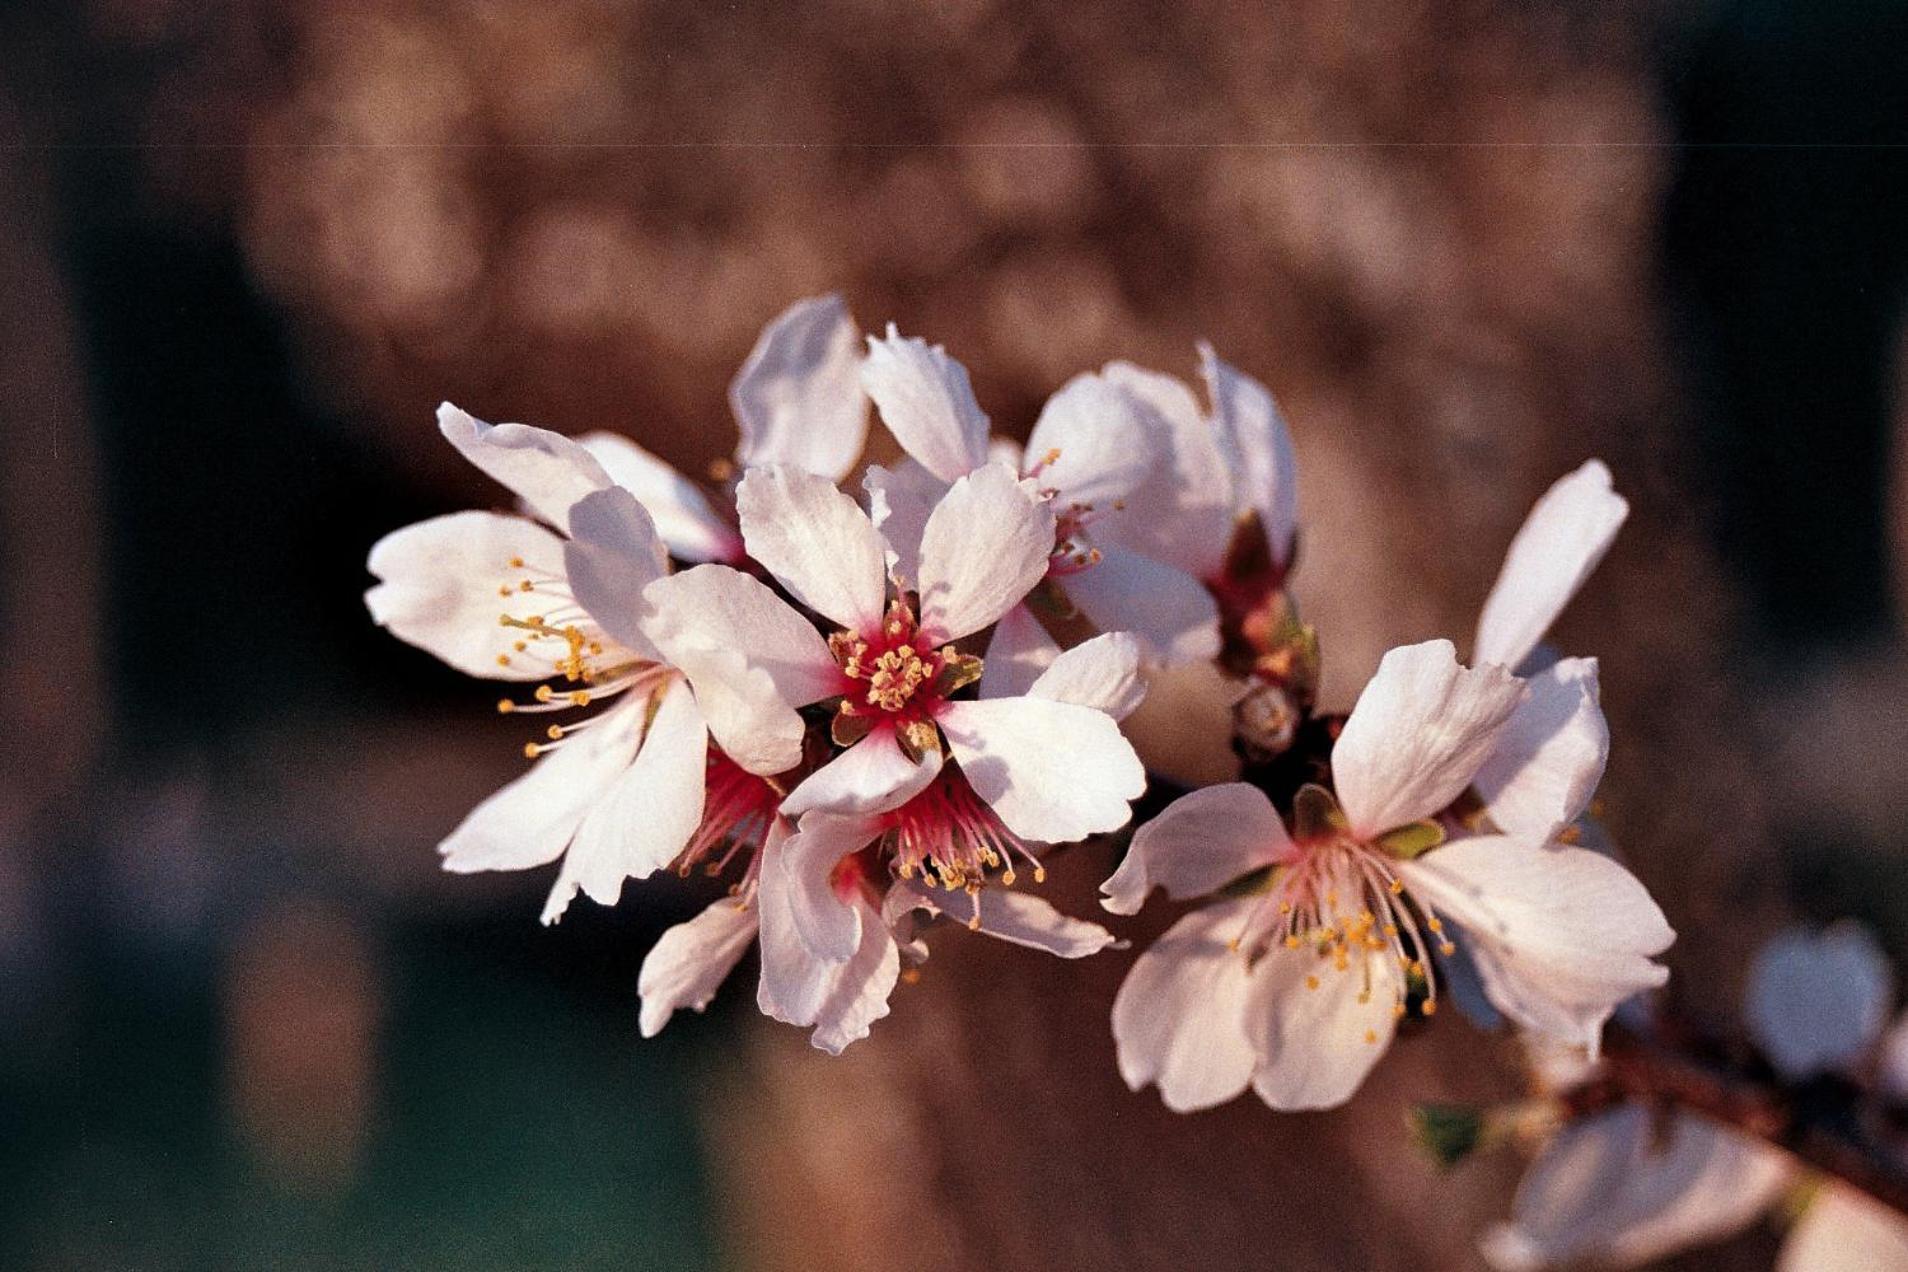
(249, 245)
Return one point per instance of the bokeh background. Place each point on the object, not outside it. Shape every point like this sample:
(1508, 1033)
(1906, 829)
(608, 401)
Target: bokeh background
(247, 245)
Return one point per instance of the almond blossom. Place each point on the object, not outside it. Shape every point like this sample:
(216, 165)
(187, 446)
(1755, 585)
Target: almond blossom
(1313, 945)
(1628, 1185)
(555, 599)
(1092, 445)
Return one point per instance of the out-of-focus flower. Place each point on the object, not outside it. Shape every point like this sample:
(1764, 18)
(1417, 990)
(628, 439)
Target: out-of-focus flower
(1294, 978)
(1092, 446)
(620, 794)
(1627, 1185)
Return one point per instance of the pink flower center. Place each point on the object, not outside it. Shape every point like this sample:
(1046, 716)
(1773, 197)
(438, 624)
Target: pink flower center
(950, 837)
(893, 675)
(737, 810)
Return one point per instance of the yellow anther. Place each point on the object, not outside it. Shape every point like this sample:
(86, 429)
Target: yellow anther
(503, 660)
(504, 591)
(1397, 887)
(1311, 982)
(520, 646)
(1051, 457)
(544, 693)
(579, 697)
(1435, 924)
(526, 586)
(505, 706)
(516, 563)
(1430, 1007)
(1292, 942)
(1040, 874)
(1371, 1036)
(531, 750)
(1447, 949)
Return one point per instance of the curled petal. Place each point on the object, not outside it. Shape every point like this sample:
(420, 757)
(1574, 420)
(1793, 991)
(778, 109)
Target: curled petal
(1181, 515)
(1258, 448)
(1550, 758)
(816, 543)
(1419, 733)
(714, 608)
(872, 776)
(842, 1000)
(1560, 543)
(680, 510)
(1199, 844)
(691, 960)
(900, 501)
(927, 403)
(798, 397)
(439, 584)
(546, 470)
(1018, 918)
(612, 555)
(829, 926)
(1092, 444)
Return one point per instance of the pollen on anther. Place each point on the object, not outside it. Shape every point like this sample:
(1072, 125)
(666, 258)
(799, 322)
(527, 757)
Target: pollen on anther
(503, 660)
(505, 706)
(1311, 982)
(1371, 1036)
(516, 563)
(544, 693)
(531, 750)
(1429, 1007)
(526, 586)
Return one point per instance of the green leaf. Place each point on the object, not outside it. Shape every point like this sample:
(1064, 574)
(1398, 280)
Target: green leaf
(1316, 815)
(1448, 1133)
(1414, 840)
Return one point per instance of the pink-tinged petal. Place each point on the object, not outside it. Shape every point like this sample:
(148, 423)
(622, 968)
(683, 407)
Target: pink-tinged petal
(1817, 1001)
(1102, 673)
(900, 501)
(1092, 444)
(872, 776)
(1017, 653)
(1179, 1018)
(1199, 844)
(546, 470)
(645, 818)
(691, 960)
(1167, 608)
(612, 555)
(816, 543)
(1560, 936)
(439, 582)
(1845, 1231)
(532, 820)
(1182, 515)
(1183, 729)
(985, 546)
(1051, 771)
(678, 506)
(1419, 733)
(1252, 435)
(794, 982)
(798, 397)
(713, 606)
(926, 402)
(1560, 543)
(1018, 918)
(1618, 1189)
(1550, 758)
(829, 926)
(1318, 1031)
(859, 988)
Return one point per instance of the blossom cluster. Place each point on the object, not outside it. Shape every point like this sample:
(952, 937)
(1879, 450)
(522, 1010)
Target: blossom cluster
(873, 700)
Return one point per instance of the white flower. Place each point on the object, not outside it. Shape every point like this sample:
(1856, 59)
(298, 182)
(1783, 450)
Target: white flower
(1294, 980)
(620, 794)
(1625, 1187)
(797, 400)
(1093, 444)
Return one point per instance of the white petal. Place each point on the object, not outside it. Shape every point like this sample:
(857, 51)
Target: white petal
(872, 776)
(546, 470)
(829, 926)
(1051, 771)
(1179, 1018)
(1198, 844)
(612, 555)
(1845, 1231)
(690, 961)
(1817, 1001)
(439, 584)
(1418, 735)
(858, 989)
(1560, 543)
(816, 542)
(1167, 608)
(681, 511)
(641, 823)
(1317, 1038)
(1099, 440)
(1252, 435)
(1019, 918)
(532, 820)
(927, 403)
(1550, 758)
(985, 546)
(1183, 730)
(1102, 673)
(1017, 653)
(1182, 515)
(1617, 1190)
(900, 501)
(798, 397)
(1560, 936)
(752, 659)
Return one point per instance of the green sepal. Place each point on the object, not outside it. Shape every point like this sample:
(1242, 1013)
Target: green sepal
(1413, 840)
(1255, 884)
(1447, 1133)
(1316, 815)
